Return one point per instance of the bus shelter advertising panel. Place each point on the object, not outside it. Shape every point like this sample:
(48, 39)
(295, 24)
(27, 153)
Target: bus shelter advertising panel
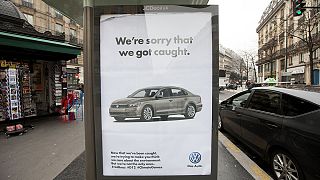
(156, 71)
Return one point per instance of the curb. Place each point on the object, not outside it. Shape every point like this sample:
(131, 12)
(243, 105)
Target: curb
(253, 169)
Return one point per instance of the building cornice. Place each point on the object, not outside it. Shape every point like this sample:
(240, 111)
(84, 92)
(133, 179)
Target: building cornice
(268, 14)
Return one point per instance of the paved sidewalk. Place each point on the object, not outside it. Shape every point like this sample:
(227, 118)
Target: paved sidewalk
(41, 153)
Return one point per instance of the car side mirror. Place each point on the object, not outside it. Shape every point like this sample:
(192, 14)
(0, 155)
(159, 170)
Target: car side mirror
(243, 103)
(224, 103)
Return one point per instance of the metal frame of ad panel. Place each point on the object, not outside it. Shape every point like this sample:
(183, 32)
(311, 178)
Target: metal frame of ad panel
(151, 52)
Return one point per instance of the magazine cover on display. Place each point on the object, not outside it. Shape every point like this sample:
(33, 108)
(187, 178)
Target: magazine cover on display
(156, 93)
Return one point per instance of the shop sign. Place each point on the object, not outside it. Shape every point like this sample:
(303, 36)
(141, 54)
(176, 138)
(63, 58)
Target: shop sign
(156, 91)
(286, 73)
(296, 70)
(6, 64)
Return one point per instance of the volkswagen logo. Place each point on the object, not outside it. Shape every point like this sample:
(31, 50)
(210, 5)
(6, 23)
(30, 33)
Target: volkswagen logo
(195, 157)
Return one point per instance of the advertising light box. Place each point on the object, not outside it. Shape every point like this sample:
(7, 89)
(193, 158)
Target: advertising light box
(156, 84)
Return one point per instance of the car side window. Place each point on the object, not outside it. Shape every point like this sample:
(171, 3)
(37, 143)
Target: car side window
(165, 92)
(141, 94)
(293, 106)
(177, 92)
(151, 93)
(267, 101)
(240, 101)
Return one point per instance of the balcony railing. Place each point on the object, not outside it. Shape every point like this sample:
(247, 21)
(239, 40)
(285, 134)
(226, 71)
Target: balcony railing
(73, 40)
(68, 38)
(58, 33)
(275, 55)
(27, 4)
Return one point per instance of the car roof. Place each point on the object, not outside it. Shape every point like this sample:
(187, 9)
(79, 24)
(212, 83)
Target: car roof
(160, 87)
(307, 95)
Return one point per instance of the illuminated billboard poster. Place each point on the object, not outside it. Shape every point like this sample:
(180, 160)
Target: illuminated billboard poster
(156, 93)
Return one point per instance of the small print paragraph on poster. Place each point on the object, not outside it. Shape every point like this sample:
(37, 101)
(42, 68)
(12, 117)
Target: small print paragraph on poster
(135, 160)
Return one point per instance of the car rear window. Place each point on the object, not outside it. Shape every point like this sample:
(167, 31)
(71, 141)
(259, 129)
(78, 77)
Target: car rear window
(293, 106)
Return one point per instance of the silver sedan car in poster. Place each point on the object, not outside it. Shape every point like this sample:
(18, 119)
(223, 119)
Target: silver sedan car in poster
(160, 101)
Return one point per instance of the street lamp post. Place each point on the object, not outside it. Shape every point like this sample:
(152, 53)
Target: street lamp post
(247, 69)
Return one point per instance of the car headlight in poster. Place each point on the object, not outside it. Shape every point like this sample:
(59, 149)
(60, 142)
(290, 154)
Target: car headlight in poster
(156, 93)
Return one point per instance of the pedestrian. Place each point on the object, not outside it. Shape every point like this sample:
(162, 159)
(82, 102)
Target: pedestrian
(67, 102)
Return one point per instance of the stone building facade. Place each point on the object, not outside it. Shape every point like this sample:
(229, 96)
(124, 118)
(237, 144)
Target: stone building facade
(46, 19)
(283, 51)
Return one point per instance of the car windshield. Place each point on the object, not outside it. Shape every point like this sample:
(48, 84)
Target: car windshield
(144, 93)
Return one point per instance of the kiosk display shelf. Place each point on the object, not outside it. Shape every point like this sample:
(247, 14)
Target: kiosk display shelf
(28, 107)
(3, 95)
(14, 94)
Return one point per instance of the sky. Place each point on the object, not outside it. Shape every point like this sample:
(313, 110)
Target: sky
(238, 20)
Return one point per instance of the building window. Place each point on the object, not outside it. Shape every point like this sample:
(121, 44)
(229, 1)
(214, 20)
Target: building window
(282, 14)
(59, 29)
(59, 15)
(29, 18)
(315, 54)
(267, 67)
(73, 36)
(301, 60)
(290, 60)
(282, 64)
(73, 33)
(27, 3)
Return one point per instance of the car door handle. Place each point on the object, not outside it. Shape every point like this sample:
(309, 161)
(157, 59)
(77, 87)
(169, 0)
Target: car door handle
(170, 100)
(238, 114)
(270, 124)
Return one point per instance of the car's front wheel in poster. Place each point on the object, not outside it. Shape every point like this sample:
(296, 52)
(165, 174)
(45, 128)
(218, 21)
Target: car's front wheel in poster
(190, 111)
(147, 113)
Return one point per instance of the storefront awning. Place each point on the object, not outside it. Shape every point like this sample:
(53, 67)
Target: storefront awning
(26, 46)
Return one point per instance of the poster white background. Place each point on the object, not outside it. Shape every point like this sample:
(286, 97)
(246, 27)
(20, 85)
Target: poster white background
(172, 140)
